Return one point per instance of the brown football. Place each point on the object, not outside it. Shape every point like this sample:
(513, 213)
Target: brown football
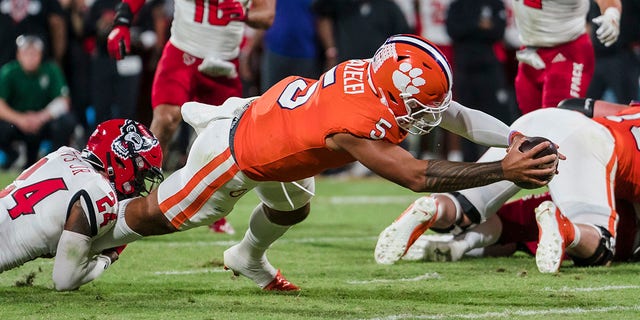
(527, 145)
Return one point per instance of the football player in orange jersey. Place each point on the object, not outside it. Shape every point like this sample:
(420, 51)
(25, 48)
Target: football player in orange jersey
(360, 110)
(582, 220)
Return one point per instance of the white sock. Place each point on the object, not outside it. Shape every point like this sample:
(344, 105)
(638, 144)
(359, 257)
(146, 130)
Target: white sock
(261, 233)
(477, 252)
(482, 235)
(120, 234)
(578, 235)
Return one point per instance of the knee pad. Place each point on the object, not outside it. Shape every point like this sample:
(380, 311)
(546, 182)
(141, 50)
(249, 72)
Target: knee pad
(467, 209)
(287, 218)
(604, 253)
(289, 196)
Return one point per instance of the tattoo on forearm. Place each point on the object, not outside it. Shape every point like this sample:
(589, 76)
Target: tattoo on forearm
(444, 176)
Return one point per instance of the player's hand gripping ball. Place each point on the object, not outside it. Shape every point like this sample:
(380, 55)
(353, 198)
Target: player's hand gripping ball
(527, 145)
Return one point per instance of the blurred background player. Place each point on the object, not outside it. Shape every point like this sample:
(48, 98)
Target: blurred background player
(557, 58)
(428, 18)
(34, 102)
(339, 28)
(475, 28)
(582, 219)
(61, 204)
(617, 68)
(42, 18)
(200, 60)
(290, 46)
(362, 110)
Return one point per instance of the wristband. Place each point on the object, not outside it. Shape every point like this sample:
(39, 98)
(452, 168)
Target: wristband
(124, 16)
(512, 134)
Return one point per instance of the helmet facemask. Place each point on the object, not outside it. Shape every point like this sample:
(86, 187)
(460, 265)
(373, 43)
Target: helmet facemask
(420, 118)
(146, 179)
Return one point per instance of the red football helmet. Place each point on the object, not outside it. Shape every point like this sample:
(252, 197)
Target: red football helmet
(414, 80)
(128, 153)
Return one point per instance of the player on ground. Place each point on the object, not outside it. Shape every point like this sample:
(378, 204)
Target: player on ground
(200, 60)
(557, 60)
(514, 228)
(359, 110)
(582, 218)
(62, 203)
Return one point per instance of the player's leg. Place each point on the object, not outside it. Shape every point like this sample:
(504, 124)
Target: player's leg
(283, 205)
(172, 85)
(583, 220)
(528, 89)
(215, 91)
(568, 72)
(443, 213)
(453, 248)
(165, 122)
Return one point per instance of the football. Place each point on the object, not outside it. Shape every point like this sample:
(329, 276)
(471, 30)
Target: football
(527, 145)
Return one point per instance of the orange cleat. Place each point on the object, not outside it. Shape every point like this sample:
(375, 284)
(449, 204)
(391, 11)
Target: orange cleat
(395, 240)
(280, 283)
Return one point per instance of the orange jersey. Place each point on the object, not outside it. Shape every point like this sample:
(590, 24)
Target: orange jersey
(625, 128)
(281, 136)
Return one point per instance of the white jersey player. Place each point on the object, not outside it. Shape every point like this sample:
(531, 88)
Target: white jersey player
(68, 198)
(549, 23)
(218, 37)
(557, 60)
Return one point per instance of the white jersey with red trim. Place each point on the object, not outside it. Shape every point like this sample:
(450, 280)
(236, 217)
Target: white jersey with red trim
(547, 23)
(200, 30)
(34, 208)
(433, 15)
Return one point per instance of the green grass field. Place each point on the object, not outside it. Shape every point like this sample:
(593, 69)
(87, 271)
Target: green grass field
(330, 255)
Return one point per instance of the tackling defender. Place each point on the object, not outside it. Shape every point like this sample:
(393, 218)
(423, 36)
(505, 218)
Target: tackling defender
(359, 110)
(67, 199)
(582, 219)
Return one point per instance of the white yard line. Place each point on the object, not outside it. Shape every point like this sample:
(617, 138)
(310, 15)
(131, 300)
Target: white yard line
(605, 288)
(425, 276)
(511, 313)
(183, 272)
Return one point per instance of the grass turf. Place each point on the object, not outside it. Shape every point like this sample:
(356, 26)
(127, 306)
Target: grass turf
(330, 255)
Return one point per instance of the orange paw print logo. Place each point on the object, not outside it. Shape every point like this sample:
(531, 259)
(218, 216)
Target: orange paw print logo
(407, 79)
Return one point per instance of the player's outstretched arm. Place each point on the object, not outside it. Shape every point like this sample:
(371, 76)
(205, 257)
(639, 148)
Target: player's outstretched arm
(394, 163)
(74, 264)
